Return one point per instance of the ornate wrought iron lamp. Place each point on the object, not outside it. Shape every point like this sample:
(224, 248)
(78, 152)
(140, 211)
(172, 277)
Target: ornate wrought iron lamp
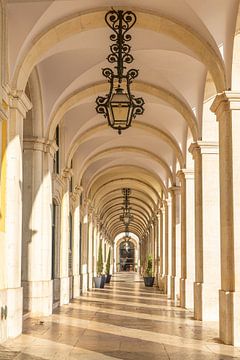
(119, 106)
(126, 217)
(127, 237)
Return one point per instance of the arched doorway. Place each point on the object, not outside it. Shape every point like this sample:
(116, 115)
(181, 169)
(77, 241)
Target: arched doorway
(127, 256)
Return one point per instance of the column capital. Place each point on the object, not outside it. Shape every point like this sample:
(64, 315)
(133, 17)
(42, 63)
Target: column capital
(194, 149)
(185, 174)
(18, 100)
(165, 203)
(39, 144)
(226, 101)
(174, 190)
(67, 173)
(204, 147)
(76, 193)
(77, 190)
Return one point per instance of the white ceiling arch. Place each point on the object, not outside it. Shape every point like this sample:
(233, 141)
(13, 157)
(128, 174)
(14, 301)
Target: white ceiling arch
(130, 150)
(169, 98)
(204, 51)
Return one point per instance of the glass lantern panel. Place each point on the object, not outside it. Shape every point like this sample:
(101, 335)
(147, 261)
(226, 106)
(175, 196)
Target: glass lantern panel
(120, 112)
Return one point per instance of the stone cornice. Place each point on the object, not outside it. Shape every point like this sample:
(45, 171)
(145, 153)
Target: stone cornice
(67, 173)
(204, 147)
(174, 189)
(226, 101)
(185, 173)
(40, 144)
(18, 100)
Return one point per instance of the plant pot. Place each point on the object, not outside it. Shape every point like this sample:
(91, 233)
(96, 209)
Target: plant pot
(108, 278)
(103, 279)
(99, 282)
(149, 280)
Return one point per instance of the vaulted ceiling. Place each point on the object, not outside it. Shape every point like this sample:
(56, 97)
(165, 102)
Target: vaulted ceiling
(176, 44)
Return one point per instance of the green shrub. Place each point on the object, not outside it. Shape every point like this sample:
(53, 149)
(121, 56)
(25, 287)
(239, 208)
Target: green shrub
(108, 262)
(100, 260)
(149, 271)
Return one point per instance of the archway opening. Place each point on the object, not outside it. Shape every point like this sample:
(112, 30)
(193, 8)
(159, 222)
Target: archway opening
(127, 256)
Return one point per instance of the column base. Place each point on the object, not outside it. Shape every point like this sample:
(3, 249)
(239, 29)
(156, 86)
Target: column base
(206, 302)
(70, 287)
(14, 312)
(165, 281)
(229, 317)
(197, 301)
(56, 290)
(84, 281)
(172, 287)
(90, 280)
(64, 291)
(182, 286)
(38, 297)
(162, 283)
(189, 294)
(76, 286)
(3, 321)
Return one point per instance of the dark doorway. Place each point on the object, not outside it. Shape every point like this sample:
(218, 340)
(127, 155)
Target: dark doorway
(127, 256)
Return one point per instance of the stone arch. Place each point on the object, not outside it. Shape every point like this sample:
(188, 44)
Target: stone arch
(171, 99)
(84, 21)
(89, 160)
(137, 168)
(149, 129)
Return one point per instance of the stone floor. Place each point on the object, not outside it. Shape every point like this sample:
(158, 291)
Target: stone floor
(123, 321)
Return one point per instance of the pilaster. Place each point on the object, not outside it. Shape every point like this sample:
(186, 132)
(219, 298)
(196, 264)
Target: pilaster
(64, 240)
(19, 104)
(186, 178)
(37, 215)
(205, 156)
(172, 242)
(226, 106)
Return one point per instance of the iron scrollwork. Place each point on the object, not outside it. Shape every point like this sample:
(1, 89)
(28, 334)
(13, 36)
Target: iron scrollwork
(120, 22)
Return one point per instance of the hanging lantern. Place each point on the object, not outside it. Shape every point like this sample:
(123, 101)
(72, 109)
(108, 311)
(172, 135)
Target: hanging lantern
(119, 106)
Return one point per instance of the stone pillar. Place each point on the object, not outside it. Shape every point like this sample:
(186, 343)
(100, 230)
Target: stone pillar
(186, 178)
(76, 242)
(183, 238)
(3, 244)
(172, 242)
(84, 252)
(169, 226)
(154, 248)
(165, 248)
(37, 227)
(90, 248)
(19, 105)
(187, 238)
(160, 248)
(207, 237)
(227, 106)
(196, 153)
(64, 241)
(96, 234)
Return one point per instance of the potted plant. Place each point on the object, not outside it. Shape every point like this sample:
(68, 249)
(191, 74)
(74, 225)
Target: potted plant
(108, 278)
(99, 280)
(149, 278)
